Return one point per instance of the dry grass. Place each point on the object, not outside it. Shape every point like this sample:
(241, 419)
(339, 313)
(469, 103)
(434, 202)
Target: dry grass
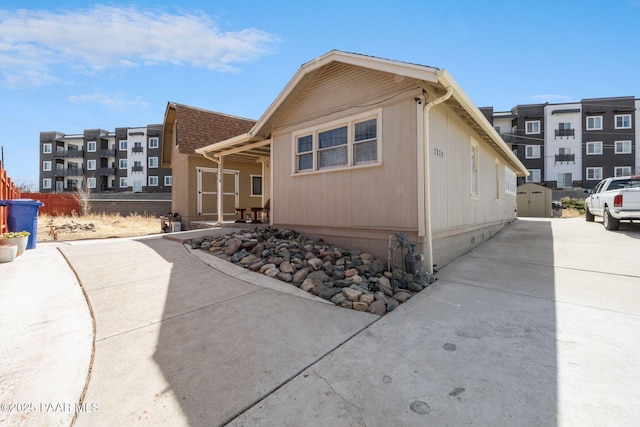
(572, 213)
(95, 226)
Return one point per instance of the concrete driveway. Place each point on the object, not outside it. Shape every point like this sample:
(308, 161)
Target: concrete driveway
(537, 326)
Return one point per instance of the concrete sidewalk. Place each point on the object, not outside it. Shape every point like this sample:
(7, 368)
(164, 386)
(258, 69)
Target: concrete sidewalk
(537, 326)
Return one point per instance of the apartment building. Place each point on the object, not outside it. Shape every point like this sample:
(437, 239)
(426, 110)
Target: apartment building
(575, 144)
(124, 160)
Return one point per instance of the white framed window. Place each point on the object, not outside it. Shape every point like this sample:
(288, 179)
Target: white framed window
(168, 181)
(622, 171)
(91, 182)
(532, 152)
(594, 148)
(123, 145)
(123, 182)
(91, 165)
(565, 180)
(46, 183)
(91, 146)
(344, 143)
(256, 185)
(46, 165)
(474, 155)
(153, 181)
(122, 163)
(623, 121)
(594, 174)
(532, 127)
(46, 148)
(497, 182)
(153, 162)
(510, 181)
(534, 176)
(623, 147)
(594, 123)
(153, 142)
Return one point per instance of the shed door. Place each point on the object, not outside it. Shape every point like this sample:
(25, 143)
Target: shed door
(208, 191)
(537, 204)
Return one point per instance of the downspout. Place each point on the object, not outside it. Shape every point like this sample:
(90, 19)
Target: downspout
(218, 161)
(424, 209)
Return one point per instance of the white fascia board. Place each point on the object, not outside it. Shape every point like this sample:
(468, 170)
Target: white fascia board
(447, 80)
(217, 146)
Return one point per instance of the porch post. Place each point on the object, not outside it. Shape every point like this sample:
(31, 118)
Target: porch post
(220, 190)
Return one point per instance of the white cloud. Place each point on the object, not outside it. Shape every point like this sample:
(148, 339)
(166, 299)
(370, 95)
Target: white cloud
(35, 43)
(119, 100)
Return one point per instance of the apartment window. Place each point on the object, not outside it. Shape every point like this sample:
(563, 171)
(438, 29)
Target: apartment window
(623, 147)
(46, 148)
(622, 171)
(137, 147)
(532, 152)
(91, 146)
(594, 123)
(137, 166)
(123, 182)
(91, 165)
(534, 176)
(565, 180)
(594, 148)
(91, 182)
(474, 154)
(153, 143)
(122, 163)
(46, 165)
(623, 121)
(46, 183)
(153, 162)
(256, 185)
(532, 126)
(123, 145)
(168, 181)
(153, 181)
(594, 174)
(340, 144)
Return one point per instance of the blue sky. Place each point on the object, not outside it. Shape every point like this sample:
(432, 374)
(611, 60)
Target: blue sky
(69, 66)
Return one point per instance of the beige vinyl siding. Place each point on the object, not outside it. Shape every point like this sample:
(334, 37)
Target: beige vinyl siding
(340, 87)
(379, 196)
(452, 205)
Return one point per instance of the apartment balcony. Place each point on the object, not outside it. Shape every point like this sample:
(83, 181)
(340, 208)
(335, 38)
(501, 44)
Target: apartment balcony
(107, 153)
(565, 132)
(509, 137)
(106, 171)
(137, 168)
(137, 149)
(68, 153)
(565, 158)
(68, 172)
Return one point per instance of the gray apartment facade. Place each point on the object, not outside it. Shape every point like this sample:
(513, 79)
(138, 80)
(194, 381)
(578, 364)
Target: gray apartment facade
(126, 160)
(573, 145)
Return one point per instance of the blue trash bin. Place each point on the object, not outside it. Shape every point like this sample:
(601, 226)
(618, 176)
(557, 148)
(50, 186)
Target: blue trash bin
(23, 216)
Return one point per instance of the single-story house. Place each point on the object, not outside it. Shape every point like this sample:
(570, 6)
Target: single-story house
(363, 148)
(195, 192)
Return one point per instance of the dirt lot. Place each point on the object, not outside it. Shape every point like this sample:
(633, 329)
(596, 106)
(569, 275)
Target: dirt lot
(95, 226)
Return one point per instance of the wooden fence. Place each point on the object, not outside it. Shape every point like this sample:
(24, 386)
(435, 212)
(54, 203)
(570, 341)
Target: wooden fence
(55, 203)
(8, 191)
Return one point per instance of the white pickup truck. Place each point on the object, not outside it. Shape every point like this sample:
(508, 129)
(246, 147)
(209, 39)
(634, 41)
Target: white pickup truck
(614, 199)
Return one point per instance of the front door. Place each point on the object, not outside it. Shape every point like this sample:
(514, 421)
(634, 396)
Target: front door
(208, 192)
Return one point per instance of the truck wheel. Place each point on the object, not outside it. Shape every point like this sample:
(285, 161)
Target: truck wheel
(588, 215)
(610, 223)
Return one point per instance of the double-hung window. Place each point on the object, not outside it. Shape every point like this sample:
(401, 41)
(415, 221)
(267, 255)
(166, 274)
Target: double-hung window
(341, 144)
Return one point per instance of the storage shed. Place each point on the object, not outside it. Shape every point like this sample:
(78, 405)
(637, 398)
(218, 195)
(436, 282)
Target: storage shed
(534, 201)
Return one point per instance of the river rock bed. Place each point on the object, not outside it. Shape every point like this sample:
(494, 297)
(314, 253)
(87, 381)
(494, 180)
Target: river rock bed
(348, 278)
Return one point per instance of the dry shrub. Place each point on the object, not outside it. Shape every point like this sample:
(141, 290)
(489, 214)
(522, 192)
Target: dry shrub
(95, 226)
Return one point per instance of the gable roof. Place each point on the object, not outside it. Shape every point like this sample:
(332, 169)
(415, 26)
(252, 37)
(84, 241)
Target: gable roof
(467, 111)
(196, 127)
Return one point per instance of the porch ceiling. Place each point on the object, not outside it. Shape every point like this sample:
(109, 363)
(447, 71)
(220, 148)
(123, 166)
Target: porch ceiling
(244, 151)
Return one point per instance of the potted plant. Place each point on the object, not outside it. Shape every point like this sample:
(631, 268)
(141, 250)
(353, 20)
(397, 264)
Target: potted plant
(18, 238)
